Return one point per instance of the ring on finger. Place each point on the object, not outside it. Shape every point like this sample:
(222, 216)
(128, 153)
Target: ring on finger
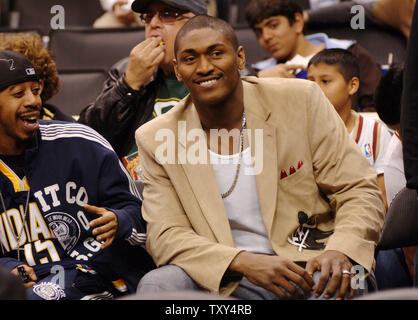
(346, 272)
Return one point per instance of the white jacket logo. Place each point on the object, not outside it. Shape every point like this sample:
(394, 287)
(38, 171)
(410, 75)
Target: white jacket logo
(65, 228)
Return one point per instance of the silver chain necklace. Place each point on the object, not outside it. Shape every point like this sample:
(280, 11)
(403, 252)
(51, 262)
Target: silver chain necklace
(241, 140)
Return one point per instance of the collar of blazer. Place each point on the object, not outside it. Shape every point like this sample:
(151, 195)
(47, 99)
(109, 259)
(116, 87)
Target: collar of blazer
(264, 152)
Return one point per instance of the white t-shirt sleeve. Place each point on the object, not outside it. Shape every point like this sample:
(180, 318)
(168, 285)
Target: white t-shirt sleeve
(394, 170)
(385, 138)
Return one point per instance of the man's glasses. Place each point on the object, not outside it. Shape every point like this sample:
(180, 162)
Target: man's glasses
(165, 16)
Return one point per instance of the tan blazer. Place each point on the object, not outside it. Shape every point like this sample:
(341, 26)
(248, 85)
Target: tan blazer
(336, 187)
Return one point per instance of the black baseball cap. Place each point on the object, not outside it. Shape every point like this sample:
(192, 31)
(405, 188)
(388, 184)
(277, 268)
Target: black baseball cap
(195, 6)
(15, 69)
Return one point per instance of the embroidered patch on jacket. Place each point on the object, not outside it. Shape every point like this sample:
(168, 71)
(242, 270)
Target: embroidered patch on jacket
(65, 228)
(49, 291)
(306, 236)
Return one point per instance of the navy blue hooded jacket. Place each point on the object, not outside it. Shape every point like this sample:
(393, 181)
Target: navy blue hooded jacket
(69, 166)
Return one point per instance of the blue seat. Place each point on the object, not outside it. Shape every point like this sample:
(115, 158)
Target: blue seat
(380, 42)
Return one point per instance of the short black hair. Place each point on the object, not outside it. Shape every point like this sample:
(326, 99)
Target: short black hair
(388, 95)
(258, 10)
(206, 21)
(346, 62)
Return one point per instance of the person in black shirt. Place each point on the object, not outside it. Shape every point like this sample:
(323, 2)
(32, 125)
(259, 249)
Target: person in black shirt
(409, 113)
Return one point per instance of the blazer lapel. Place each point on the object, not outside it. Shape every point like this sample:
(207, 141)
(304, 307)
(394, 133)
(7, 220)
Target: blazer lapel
(263, 151)
(202, 178)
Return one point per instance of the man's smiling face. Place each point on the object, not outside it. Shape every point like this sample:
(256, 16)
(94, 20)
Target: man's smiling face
(208, 63)
(20, 106)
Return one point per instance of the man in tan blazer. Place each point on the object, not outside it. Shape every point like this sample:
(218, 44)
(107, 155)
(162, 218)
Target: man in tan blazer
(283, 205)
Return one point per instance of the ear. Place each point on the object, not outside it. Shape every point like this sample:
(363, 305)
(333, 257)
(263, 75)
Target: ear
(298, 24)
(241, 57)
(176, 71)
(353, 86)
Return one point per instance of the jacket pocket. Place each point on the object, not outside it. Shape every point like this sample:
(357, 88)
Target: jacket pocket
(295, 178)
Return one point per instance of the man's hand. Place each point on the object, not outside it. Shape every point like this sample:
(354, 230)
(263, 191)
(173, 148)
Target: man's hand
(105, 227)
(273, 273)
(332, 262)
(143, 61)
(281, 70)
(32, 276)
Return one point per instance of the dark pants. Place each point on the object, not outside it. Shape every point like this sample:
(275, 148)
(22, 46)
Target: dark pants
(392, 271)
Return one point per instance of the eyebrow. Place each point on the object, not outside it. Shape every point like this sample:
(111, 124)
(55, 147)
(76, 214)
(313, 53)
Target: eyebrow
(267, 22)
(208, 48)
(271, 19)
(13, 86)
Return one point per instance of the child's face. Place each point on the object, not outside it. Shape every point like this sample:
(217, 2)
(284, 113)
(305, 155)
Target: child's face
(333, 84)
